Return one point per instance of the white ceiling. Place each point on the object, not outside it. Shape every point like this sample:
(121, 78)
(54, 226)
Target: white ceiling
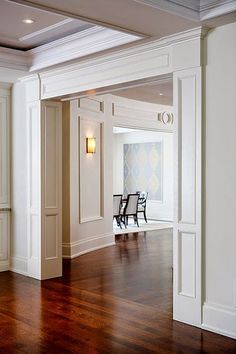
(129, 15)
(47, 27)
(56, 19)
(150, 93)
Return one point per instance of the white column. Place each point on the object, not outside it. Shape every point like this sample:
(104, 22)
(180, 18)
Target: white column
(188, 190)
(4, 176)
(44, 184)
(51, 182)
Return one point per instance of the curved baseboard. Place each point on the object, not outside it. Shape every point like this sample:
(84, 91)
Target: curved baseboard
(75, 249)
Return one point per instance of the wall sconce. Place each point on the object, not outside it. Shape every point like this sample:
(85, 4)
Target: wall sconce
(90, 145)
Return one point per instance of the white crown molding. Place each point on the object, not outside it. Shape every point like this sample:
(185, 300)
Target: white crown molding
(210, 9)
(197, 10)
(89, 41)
(14, 59)
(187, 9)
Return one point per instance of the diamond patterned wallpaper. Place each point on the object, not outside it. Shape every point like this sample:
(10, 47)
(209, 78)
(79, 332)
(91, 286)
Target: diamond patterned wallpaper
(143, 169)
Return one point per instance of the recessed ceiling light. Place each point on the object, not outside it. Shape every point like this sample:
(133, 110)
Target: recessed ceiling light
(161, 94)
(28, 21)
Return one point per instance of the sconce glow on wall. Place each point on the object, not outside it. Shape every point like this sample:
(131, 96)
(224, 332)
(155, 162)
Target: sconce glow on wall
(90, 145)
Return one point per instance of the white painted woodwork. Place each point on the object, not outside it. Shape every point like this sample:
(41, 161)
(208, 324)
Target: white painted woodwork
(44, 184)
(51, 179)
(91, 189)
(4, 146)
(136, 114)
(188, 190)
(90, 177)
(34, 188)
(142, 61)
(179, 56)
(5, 95)
(4, 240)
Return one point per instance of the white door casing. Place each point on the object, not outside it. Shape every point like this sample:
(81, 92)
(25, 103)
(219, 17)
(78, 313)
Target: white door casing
(44, 120)
(179, 56)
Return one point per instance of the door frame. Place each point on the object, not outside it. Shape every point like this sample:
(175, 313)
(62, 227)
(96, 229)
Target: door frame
(181, 56)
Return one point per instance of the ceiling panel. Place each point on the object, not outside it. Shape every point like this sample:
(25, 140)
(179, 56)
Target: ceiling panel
(161, 93)
(47, 27)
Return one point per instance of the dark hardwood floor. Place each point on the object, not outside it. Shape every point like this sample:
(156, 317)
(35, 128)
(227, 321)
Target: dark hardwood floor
(115, 300)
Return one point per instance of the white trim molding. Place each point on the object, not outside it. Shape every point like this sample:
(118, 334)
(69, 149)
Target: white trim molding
(219, 319)
(19, 265)
(149, 59)
(196, 10)
(75, 249)
(89, 41)
(78, 45)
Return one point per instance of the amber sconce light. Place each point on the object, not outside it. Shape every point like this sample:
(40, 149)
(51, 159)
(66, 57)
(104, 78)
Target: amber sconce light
(90, 145)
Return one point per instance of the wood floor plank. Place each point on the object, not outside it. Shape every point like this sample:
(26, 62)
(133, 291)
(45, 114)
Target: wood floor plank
(114, 300)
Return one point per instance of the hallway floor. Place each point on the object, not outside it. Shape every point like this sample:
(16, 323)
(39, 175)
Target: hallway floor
(114, 300)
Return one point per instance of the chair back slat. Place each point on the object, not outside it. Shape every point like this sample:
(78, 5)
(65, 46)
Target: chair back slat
(131, 205)
(117, 203)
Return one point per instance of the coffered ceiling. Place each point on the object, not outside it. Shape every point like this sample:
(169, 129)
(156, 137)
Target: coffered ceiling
(47, 26)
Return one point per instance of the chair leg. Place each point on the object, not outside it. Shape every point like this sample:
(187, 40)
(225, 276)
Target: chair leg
(123, 219)
(137, 220)
(144, 213)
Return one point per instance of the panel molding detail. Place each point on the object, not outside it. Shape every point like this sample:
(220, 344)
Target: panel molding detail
(187, 264)
(144, 115)
(188, 190)
(51, 175)
(4, 147)
(187, 147)
(91, 174)
(34, 188)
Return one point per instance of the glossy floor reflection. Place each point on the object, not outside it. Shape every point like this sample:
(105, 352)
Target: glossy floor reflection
(115, 300)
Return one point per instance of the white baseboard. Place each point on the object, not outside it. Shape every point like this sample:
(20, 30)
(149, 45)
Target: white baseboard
(4, 266)
(219, 319)
(75, 249)
(19, 265)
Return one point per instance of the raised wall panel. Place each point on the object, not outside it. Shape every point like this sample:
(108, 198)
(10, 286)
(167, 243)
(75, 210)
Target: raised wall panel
(3, 237)
(187, 234)
(51, 231)
(4, 151)
(51, 160)
(34, 188)
(187, 265)
(187, 167)
(91, 172)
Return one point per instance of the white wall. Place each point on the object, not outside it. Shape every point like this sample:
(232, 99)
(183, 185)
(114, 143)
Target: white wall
(220, 179)
(159, 210)
(19, 180)
(90, 185)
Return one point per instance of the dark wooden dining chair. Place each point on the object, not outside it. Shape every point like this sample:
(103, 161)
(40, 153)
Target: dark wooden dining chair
(130, 209)
(117, 205)
(142, 203)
